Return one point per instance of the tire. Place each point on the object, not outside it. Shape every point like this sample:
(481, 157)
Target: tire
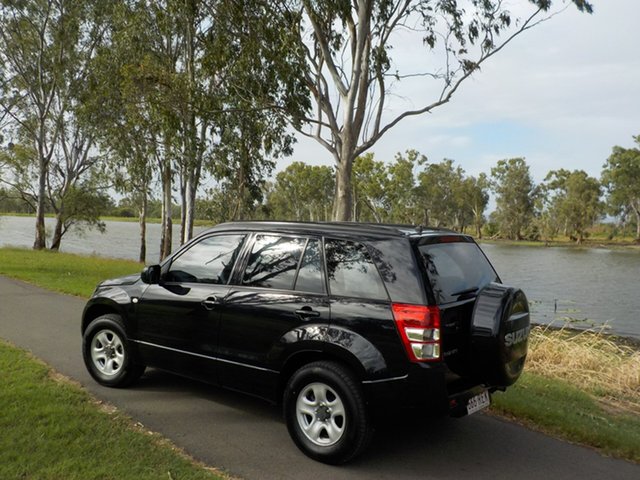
(326, 413)
(108, 354)
(499, 334)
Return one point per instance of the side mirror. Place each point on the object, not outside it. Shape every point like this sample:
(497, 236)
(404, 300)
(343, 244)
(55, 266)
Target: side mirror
(151, 274)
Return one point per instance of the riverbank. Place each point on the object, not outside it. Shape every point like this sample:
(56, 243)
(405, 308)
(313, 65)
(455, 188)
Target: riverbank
(580, 386)
(626, 243)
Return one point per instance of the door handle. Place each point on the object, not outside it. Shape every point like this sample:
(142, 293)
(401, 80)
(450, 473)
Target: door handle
(306, 312)
(210, 302)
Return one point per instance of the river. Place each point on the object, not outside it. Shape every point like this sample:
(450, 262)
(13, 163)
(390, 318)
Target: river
(583, 286)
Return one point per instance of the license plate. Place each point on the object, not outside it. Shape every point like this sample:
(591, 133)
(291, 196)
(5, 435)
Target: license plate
(478, 402)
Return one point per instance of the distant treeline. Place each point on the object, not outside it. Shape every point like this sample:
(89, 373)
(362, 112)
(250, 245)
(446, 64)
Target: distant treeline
(411, 190)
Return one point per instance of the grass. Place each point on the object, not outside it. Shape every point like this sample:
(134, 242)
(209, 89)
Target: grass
(580, 386)
(62, 272)
(51, 429)
(558, 408)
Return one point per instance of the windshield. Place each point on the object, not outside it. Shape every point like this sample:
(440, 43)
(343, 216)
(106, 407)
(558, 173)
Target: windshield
(456, 268)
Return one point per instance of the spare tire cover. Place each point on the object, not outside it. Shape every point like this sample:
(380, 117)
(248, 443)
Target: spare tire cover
(500, 328)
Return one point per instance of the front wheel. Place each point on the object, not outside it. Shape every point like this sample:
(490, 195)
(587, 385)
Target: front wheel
(326, 413)
(107, 353)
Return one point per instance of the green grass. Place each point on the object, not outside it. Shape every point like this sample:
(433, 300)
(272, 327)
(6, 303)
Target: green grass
(51, 429)
(560, 409)
(62, 272)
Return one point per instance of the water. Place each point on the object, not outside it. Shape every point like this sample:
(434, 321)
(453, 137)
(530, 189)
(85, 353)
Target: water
(586, 287)
(121, 240)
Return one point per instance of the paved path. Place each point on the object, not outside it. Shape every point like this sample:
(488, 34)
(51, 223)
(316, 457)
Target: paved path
(248, 438)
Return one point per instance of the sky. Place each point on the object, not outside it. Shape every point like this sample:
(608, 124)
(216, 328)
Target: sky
(561, 96)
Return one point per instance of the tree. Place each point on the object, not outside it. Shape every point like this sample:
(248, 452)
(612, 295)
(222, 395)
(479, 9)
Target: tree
(402, 187)
(573, 200)
(46, 47)
(34, 51)
(440, 189)
(197, 88)
(302, 192)
(515, 196)
(370, 189)
(350, 72)
(476, 197)
(621, 178)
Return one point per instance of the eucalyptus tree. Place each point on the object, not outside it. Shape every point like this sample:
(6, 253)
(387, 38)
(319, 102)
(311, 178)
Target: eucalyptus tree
(516, 194)
(353, 72)
(249, 55)
(129, 113)
(46, 48)
(403, 187)
(573, 198)
(440, 193)
(475, 197)
(302, 192)
(370, 189)
(621, 178)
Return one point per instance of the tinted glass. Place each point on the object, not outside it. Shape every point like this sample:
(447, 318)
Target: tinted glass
(310, 277)
(209, 261)
(351, 271)
(273, 262)
(456, 269)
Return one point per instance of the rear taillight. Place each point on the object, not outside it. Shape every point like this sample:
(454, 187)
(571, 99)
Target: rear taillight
(419, 327)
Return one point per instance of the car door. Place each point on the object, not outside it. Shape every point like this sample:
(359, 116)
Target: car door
(177, 319)
(281, 288)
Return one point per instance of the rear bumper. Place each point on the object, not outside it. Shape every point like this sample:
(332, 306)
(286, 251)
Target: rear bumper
(430, 387)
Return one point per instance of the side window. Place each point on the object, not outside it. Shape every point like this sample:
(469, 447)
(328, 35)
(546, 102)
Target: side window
(209, 261)
(273, 262)
(310, 277)
(352, 272)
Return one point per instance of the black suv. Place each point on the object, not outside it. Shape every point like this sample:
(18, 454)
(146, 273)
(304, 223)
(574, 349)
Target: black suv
(333, 320)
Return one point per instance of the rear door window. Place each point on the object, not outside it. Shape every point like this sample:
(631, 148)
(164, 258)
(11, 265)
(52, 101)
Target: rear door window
(456, 269)
(351, 271)
(310, 278)
(273, 262)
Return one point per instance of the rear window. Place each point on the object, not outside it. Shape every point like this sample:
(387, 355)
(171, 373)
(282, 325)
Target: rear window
(456, 269)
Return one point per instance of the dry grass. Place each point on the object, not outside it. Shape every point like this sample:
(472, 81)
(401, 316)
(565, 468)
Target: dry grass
(589, 360)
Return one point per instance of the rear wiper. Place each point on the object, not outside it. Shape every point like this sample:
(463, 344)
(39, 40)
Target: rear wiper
(465, 292)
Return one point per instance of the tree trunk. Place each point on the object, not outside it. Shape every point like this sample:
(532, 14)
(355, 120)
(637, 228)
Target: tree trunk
(143, 228)
(41, 236)
(344, 196)
(57, 233)
(167, 226)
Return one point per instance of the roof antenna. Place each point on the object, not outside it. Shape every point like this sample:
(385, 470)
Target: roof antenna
(419, 229)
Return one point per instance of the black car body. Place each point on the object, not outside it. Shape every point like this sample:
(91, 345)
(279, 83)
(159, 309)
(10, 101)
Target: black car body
(330, 319)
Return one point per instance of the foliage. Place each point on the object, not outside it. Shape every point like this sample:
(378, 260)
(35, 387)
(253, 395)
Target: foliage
(573, 201)
(302, 192)
(515, 196)
(621, 178)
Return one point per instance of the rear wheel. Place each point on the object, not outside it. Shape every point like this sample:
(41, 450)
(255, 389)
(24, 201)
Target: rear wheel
(326, 414)
(107, 353)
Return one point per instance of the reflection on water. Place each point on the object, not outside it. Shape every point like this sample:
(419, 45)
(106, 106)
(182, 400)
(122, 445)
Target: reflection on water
(585, 286)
